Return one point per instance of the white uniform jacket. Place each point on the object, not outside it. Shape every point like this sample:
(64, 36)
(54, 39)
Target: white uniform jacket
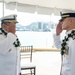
(9, 55)
(69, 61)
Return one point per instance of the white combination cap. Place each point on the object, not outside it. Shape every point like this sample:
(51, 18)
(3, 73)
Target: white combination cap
(9, 18)
(66, 13)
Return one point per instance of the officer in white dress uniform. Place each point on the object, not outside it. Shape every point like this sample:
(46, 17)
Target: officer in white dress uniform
(67, 45)
(9, 47)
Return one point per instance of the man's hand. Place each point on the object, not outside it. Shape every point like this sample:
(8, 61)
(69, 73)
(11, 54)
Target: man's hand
(59, 28)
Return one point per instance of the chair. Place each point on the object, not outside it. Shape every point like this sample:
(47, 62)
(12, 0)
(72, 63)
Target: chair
(26, 53)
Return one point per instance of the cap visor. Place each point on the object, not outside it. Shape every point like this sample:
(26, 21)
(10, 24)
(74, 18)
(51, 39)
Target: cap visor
(61, 20)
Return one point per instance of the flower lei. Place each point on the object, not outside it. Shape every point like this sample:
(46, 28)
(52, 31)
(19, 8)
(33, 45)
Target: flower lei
(16, 43)
(64, 41)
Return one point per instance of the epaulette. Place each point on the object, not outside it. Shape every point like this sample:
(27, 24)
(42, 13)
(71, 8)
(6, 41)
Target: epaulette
(0, 33)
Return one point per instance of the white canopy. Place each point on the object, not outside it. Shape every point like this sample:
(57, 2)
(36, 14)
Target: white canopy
(41, 6)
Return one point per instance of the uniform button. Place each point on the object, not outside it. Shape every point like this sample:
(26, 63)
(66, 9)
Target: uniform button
(9, 49)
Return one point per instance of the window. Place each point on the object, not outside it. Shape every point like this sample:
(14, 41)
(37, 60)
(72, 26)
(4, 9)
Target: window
(33, 27)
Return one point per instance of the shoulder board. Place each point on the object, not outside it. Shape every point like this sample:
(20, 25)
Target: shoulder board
(0, 33)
